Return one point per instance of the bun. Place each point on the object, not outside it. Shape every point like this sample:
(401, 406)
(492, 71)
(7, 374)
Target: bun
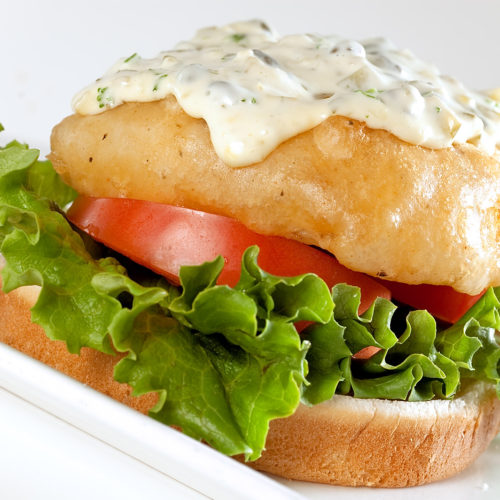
(92, 367)
(343, 441)
(372, 442)
(380, 205)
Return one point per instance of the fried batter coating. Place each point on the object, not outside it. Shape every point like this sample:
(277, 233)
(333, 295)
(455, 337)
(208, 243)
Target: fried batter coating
(380, 205)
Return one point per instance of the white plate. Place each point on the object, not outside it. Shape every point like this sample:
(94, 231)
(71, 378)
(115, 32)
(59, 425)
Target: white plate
(57, 435)
(166, 451)
(45, 457)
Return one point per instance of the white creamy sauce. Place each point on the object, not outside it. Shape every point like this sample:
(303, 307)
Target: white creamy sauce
(255, 90)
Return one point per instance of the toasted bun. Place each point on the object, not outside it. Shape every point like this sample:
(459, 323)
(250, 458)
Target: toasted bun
(343, 441)
(380, 205)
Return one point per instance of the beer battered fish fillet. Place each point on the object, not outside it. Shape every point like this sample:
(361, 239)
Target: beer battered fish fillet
(380, 205)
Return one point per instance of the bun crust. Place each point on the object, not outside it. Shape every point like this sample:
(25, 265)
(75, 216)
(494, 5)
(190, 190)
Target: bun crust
(381, 443)
(344, 441)
(91, 367)
(380, 205)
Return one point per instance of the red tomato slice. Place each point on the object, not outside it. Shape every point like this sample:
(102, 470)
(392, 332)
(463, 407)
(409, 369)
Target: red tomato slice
(443, 302)
(366, 353)
(164, 237)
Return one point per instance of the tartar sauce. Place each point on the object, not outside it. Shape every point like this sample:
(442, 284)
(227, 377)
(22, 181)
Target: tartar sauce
(255, 90)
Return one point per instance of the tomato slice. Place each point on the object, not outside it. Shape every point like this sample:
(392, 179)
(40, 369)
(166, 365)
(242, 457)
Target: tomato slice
(164, 237)
(366, 353)
(443, 302)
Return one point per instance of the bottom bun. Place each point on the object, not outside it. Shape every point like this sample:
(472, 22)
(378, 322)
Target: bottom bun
(381, 443)
(91, 367)
(344, 441)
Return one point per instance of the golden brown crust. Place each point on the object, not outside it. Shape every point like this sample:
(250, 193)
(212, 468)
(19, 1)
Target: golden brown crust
(380, 205)
(379, 443)
(91, 367)
(344, 441)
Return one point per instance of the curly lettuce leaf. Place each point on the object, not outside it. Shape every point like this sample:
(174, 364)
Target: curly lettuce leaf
(41, 248)
(245, 362)
(421, 364)
(42, 179)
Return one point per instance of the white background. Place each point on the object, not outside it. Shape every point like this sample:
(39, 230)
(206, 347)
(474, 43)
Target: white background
(49, 50)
